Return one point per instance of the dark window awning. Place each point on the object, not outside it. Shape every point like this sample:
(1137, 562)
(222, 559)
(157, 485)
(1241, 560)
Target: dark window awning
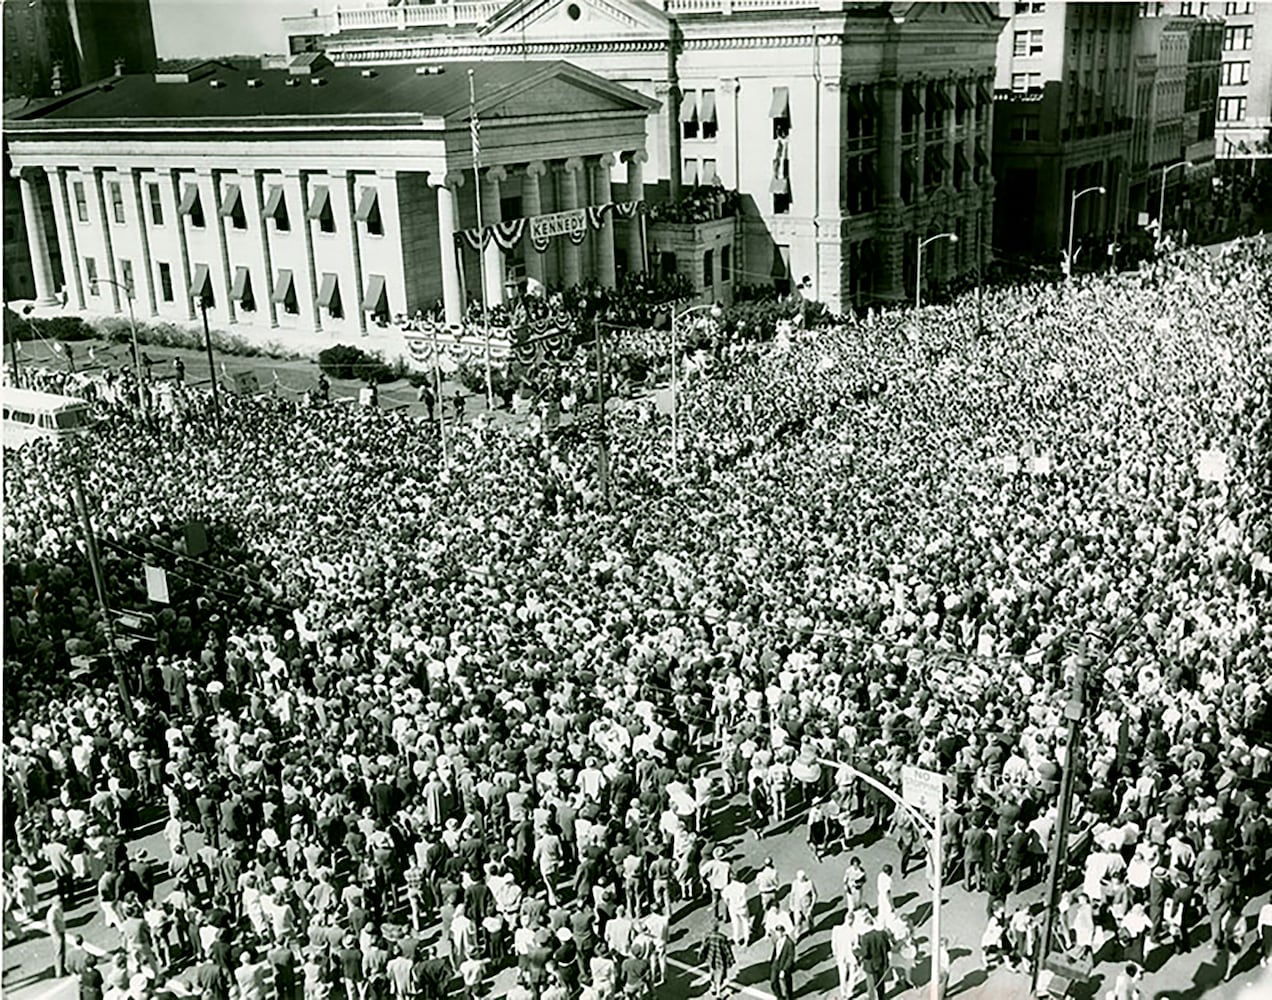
(942, 95)
(985, 91)
(982, 158)
(275, 201)
(908, 170)
(707, 110)
(963, 94)
(319, 203)
(201, 283)
(283, 286)
(688, 106)
(870, 98)
(242, 284)
(960, 157)
(936, 156)
(189, 198)
(373, 297)
(913, 102)
(230, 200)
(856, 101)
(781, 104)
(366, 203)
(327, 290)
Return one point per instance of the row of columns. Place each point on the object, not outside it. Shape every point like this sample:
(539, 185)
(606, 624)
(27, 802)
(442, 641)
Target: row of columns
(251, 184)
(580, 182)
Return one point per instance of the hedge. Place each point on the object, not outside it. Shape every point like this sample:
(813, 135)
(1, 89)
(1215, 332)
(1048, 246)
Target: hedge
(344, 361)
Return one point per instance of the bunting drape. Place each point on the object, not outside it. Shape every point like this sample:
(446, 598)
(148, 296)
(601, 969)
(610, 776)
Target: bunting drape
(543, 229)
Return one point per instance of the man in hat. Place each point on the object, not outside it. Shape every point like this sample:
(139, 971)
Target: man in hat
(715, 872)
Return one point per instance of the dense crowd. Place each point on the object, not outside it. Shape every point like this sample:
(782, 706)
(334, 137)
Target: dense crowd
(392, 695)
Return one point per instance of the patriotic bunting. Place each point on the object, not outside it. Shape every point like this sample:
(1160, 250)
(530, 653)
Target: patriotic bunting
(542, 229)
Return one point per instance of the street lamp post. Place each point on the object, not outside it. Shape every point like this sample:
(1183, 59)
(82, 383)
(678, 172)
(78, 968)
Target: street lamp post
(918, 264)
(1161, 202)
(207, 342)
(132, 325)
(1073, 209)
(714, 309)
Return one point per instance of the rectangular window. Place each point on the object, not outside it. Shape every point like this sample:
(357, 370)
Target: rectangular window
(1187, 9)
(689, 173)
(667, 264)
(725, 253)
(165, 280)
(276, 208)
(1232, 109)
(1022, 83)
(284, 293)
(191, 205)
(156, 203)
(708, 269)
(707, 115)
(1238, 38)
(780, 112)
(81, 202)
(368, 211)
(320, 209)
(201, 286)
(780, 187)
(117, 202)
(126, 277)
(241, 290)
(689, 114)
(90, 269)
(1020, 44)
(232, 206)
(1230, 9)
(1236, 73)
(329, 296)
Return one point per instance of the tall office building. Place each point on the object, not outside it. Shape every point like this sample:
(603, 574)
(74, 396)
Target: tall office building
(1063, 117)
(1244, 125)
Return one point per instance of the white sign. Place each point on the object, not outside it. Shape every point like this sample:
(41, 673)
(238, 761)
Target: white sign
(1041, 465)
(1212, 466)
(922, 790)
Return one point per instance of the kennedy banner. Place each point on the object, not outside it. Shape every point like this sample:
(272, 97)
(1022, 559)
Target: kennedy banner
(543, 229)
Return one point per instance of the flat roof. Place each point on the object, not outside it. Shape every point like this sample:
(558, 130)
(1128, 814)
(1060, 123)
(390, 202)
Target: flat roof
(33, 399)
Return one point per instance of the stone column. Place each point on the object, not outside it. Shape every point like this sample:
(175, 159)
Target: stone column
(179, 221)
(302, 181)
(532, 205)
(830, 278)
(66, 233)
(603, 195)
(146, 265)
(891, 254)
(391, 219)
(226, 275)
(345, 191)
(492, 256)
(37, 240)
(103, 219)
(447, 224)
(254, 181)
(571, 273)
(727, 113)
(635, 160)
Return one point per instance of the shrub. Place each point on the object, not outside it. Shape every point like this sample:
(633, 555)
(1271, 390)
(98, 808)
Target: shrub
(344, 361)
(67, 328)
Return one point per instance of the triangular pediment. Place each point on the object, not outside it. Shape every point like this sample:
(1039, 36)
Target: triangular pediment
(559, 87)
(929, 13)
(578, 19)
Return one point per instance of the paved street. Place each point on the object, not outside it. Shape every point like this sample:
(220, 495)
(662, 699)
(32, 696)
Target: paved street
(28, 972)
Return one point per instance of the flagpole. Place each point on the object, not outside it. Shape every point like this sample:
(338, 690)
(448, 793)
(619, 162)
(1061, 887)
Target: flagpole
(474, 131)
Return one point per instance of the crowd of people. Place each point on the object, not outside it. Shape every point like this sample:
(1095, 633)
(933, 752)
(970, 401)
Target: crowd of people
(395, 696)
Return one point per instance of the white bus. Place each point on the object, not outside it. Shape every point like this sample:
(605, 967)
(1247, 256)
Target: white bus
(29, 415)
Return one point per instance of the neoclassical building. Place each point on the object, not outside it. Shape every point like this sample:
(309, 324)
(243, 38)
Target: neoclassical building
(325, 198)
(849, 129)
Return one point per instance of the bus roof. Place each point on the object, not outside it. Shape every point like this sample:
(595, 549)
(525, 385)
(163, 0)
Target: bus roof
(39, 401)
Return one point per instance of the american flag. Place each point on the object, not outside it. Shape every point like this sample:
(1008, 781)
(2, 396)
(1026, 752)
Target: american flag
(474, 125)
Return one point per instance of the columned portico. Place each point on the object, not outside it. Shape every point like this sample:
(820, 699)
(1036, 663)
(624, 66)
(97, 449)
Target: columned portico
(37, 240)
(445, 184)
(99, 195)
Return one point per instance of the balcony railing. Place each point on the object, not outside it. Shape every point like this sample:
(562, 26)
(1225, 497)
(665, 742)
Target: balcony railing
(399, 18)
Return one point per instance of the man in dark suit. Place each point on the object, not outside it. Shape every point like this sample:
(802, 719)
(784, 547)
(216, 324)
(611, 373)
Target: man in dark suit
(782, 966)
(875, 948)
(90, 980)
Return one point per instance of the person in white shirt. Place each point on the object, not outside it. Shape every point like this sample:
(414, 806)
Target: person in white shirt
(843, 946)
(739, 909)
(883, 889)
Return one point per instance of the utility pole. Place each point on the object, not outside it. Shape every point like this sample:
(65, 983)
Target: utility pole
(1074, 712)
(980, 312)
(207, 342)
(99, 582)
(602, 439)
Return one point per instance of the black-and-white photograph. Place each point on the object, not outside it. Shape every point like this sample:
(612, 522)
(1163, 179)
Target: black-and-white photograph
(636, 500)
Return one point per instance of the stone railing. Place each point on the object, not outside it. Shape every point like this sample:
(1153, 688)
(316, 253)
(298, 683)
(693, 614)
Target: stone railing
(738, 6)
(414, 16)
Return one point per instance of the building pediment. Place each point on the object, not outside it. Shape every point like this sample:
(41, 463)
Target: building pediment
(946, 13)
(557, 88)
(536, 20)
